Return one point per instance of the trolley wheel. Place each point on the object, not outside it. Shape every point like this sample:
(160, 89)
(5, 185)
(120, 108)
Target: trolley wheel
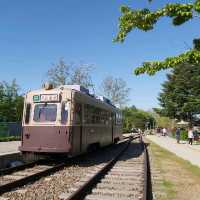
(116, 140)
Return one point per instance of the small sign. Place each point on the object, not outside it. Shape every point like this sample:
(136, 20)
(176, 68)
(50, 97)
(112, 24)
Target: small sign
(36, 98)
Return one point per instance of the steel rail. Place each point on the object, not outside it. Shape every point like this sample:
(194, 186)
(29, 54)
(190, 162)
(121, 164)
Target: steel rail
(31, 178)
(145, 189)
(18, 183)
(10, 170)
(148, 183)
(87, 187)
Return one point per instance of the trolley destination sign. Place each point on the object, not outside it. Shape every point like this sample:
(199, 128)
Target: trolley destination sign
(46, 98)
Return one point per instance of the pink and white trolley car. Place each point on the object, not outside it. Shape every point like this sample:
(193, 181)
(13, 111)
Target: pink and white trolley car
(68, 120)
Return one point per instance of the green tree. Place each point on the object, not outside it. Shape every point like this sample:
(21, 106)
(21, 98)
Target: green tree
(135, 118)
(162, 121)
(145, 19)
(180, 96)
(11, 103)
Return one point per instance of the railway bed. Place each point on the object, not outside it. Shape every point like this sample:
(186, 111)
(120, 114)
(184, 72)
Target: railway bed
(125, 177)
(15, 177)
(86, 163)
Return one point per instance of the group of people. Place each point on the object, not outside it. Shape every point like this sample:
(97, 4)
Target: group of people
(162, 131)
(190, 135)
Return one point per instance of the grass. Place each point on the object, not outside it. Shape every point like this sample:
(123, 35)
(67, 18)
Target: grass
(169, 189)
(176, 174)
(197, 142)
(163, 153)
(166, 186)
(190, 167)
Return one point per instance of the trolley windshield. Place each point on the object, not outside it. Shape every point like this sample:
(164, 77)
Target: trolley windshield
(45, 112)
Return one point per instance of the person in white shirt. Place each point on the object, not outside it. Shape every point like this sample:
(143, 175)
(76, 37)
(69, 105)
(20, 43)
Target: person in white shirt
(164, 131)
(190, 136)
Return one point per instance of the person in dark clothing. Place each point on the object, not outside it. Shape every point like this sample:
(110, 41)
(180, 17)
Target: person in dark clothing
(178, 134)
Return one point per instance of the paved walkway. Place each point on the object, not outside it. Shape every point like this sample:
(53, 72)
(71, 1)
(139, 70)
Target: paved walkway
(183, 150)
(9, 147)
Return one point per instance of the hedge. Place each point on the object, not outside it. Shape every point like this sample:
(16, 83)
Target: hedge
(10, 138)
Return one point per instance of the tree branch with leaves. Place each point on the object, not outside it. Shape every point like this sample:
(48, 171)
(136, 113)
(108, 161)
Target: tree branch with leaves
(11, 103)
(145, 20)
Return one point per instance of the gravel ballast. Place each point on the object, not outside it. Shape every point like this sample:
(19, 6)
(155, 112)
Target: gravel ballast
(52, 186)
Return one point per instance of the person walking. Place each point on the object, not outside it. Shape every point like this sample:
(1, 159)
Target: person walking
(178, 134)
(190, 136)
(164, 131)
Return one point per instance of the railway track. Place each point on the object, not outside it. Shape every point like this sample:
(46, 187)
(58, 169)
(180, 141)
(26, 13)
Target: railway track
(123, 178)
(23, 166)
(19, 176)
(24, 174)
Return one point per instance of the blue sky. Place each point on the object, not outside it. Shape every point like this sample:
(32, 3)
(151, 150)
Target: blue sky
(35, 34)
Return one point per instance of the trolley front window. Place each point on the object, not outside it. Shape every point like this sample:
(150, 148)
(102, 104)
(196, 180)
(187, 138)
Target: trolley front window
(45, 112)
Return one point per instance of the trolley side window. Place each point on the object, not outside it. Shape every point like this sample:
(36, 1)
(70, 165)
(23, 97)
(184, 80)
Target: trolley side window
(64, 113)
(113, 118)
(118, 118)
(78, 113)
(95, 115)
(27, 114)
(45, 113)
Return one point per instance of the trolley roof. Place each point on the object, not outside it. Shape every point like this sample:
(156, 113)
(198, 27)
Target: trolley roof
(79, 92)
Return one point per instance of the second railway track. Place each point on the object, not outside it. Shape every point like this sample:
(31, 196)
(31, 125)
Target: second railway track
(22, 175)
(125, 177)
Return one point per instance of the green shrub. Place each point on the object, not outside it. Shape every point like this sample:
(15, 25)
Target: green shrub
(184, 135)
(173, 134)
(10, 138)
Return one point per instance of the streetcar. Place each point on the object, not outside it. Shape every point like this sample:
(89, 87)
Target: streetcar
(67, 120)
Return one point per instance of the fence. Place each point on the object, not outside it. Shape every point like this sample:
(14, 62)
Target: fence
(10, 129)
